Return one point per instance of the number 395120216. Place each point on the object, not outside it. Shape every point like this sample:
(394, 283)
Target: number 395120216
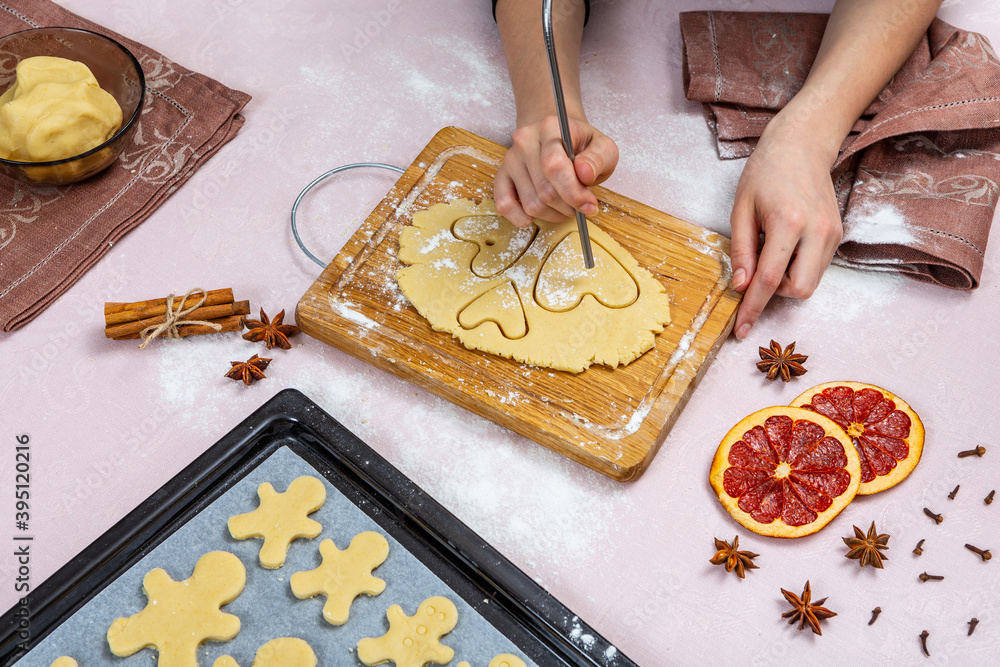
(22, 481)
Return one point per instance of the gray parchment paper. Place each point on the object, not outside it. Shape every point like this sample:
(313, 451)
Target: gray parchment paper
(267, 608)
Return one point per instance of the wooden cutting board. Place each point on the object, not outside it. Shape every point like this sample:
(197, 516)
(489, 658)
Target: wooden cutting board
(610, 420)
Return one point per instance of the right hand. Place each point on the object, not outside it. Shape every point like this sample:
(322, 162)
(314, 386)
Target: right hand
(786, 193)
(537, 179)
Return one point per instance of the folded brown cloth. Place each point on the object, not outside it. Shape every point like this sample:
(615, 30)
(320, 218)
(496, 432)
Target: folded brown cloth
(917, 178)
(49, 237)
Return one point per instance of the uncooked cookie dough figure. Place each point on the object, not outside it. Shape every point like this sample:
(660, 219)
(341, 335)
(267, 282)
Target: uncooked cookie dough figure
(785, 190)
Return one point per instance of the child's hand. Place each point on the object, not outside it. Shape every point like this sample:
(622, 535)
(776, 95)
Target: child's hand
(785, 192)
(537, 179)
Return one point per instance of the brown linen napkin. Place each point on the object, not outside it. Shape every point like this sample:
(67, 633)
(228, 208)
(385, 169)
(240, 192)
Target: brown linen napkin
(917, 178)
(50, 236)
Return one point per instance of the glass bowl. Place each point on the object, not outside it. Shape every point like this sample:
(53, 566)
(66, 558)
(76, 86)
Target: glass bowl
(114, 67)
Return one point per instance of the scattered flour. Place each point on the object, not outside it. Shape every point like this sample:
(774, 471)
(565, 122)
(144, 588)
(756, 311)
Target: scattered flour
(345, 311)
(558, 298)
(521, 277)
(669, 161)
(872, 224)
(845, 294)
(584, 639)
(559, 289)
(435, 241)
(192, 368)
(563, 514)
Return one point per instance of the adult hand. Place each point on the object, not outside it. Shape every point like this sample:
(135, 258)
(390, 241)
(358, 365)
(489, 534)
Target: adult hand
(537, 179)
(786, 193)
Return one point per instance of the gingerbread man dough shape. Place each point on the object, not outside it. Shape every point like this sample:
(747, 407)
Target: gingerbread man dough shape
(502, 660)
(413, 641)
(344, 575)
(180, 615)
(281, 652)
(64, 661)
(281, 518)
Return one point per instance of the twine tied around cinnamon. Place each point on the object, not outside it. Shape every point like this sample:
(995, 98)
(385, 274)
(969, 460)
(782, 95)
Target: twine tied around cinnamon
(175, 318)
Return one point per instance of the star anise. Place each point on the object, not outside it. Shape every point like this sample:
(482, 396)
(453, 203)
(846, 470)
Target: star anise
(733, 558)
(271, 332)
(867, 550)
(804, 611)
(785, 363)
(248, 371)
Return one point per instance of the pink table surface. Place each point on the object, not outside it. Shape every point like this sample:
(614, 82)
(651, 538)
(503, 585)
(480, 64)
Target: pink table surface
(109, 424)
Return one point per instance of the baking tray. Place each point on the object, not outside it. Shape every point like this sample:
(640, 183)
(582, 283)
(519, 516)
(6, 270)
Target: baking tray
(523, 613)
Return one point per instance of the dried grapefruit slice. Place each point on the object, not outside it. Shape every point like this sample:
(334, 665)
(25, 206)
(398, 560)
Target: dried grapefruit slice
(785, 471)
(887, 433)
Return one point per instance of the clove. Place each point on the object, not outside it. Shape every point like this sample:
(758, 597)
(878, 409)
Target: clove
(930, 577)
(951, 496)
(972, 625)
(978, 451)
(875, 612)
(983, 553)
(923, 642)
(989, 497)
(937, 517)
(919, 549)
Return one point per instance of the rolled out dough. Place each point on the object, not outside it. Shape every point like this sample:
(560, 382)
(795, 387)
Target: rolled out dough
(525, 293)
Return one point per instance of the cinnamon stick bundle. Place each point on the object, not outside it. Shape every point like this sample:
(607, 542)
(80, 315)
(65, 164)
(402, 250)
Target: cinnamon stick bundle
(143, 319)
(212, 312)
(116, 313)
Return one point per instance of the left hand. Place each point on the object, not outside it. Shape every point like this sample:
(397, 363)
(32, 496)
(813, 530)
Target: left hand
(537, 179)
(787, 193)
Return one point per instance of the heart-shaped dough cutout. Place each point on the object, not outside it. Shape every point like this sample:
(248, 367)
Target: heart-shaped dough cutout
(501, 244)
(564, 280)
(500, 305)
